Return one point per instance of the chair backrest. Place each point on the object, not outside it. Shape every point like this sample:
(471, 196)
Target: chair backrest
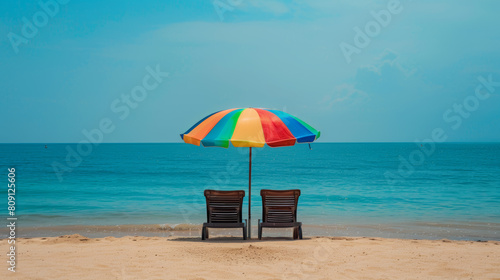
(279, 206)
(224, 206)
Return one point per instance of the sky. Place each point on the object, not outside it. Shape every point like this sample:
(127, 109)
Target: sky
(146, 71)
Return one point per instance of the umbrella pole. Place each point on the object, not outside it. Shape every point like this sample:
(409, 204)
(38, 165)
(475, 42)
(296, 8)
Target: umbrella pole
(250, 196)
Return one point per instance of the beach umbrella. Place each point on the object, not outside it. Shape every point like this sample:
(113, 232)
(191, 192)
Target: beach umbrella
(252, 128)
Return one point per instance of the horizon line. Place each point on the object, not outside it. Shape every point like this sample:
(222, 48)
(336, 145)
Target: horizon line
(340, 142)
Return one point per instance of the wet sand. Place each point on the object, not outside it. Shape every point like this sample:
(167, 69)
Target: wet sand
(470, 231)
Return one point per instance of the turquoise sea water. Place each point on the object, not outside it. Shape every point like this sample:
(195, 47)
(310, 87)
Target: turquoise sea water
(454, 190)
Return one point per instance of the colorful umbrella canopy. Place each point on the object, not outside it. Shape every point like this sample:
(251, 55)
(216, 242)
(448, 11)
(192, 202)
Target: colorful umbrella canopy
(250, 127)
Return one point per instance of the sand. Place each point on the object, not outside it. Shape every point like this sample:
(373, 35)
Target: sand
(78, 257)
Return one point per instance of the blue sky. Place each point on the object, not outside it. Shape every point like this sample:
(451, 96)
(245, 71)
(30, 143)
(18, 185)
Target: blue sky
(424, 61)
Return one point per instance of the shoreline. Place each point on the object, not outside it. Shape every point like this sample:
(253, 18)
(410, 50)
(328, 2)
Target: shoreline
(138, 257)
(420, 230)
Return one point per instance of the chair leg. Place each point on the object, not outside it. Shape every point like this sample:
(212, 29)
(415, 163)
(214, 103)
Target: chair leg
(206, 233)
(245, 232)
(300, 232)
(260, 230)
(295, 233)
(203, 237)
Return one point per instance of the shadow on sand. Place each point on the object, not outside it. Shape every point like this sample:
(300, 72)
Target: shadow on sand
(233, 239)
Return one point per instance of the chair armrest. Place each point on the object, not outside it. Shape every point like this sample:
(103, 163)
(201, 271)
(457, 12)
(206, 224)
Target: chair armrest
(291, 208)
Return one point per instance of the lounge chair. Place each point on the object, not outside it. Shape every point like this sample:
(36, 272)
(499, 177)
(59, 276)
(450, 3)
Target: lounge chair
(224, 211)
(279, 210)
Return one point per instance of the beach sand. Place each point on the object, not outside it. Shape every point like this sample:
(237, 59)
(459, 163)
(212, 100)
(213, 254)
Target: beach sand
(78, 257)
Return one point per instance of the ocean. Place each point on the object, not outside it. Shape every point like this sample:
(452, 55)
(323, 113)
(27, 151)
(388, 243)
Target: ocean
(399, 190)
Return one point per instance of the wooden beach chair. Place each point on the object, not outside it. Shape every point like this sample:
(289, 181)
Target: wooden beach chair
(279, 210)
(224, 211)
